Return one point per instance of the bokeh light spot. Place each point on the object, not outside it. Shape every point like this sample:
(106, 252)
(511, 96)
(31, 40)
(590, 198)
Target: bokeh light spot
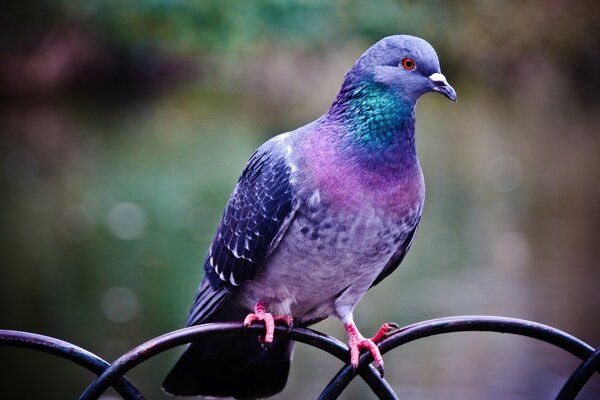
(126, 221)
(119, 304)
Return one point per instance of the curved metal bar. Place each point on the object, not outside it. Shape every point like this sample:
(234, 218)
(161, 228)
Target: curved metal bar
(69, 352)
(579, 378)
(114, 374)
(371, 376)
(460, 324)
(338, 384)
(182, 336)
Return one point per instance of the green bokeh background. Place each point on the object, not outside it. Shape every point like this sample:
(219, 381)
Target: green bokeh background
(124, 126)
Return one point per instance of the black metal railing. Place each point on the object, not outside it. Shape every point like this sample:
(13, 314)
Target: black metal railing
(114, 374)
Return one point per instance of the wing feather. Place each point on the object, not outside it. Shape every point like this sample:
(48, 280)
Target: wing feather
(257, 215)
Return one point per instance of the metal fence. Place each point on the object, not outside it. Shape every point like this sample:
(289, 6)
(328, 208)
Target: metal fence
(114, 374)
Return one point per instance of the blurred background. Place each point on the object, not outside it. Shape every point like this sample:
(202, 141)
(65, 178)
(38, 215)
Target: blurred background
(124, 126)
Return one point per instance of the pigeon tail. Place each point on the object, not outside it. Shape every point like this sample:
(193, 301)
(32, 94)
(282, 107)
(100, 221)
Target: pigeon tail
(231, 366)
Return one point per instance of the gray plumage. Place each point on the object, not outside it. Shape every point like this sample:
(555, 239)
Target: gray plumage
(318, 216)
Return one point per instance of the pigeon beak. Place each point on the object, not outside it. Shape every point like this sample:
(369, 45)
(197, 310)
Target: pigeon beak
(441, 85)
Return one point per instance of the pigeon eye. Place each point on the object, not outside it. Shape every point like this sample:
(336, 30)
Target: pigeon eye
(408, 63)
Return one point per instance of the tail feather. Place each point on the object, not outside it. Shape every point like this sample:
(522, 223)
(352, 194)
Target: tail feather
(230, 366)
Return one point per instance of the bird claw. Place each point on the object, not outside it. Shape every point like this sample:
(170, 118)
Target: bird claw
(385, 330)
(263, 344)
(287, 320)
(357, 342)
(381, 371)
(261, 315)
(369, 344)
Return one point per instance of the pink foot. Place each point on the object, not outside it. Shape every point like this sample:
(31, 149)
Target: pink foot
(356, 342)
(261, 315)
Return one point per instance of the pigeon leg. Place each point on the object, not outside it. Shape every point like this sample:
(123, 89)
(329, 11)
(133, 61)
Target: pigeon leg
(356, 342)
(260, 314)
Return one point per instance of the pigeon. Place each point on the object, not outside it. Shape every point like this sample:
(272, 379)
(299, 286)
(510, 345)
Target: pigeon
(319, 216)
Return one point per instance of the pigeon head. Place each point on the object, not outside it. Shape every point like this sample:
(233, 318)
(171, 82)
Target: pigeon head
(376, 103)
(406, 65)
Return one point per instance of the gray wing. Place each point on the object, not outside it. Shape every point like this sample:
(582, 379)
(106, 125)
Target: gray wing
(398, 256)
(257, 215)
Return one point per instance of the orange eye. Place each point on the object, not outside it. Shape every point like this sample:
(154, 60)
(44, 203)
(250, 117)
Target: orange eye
(408, 63)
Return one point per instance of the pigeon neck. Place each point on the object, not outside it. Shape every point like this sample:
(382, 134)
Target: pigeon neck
(376, 123)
